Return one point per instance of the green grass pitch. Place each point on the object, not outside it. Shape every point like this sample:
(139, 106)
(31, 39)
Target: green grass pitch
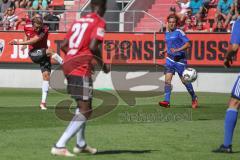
(144, 132)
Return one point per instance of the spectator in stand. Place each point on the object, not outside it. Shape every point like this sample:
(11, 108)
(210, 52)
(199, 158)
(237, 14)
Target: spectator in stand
(40, 5)
(183, 5)
(219, 27)
(197, 8)
(210, 3)
(26, 20)
(236, 8)
(9, 19)
(235, 14)
(23, 3)
(225, 9)
(172, 11)
(200, 27)
(189, 15)
(188, 26)
(3, 7)
(53, 19)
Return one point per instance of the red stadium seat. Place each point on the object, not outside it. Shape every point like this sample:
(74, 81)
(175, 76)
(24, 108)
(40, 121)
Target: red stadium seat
(57, 3)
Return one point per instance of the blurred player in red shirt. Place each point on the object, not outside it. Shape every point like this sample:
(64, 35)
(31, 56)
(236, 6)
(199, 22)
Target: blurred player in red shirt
(36, 36)
(81, 45)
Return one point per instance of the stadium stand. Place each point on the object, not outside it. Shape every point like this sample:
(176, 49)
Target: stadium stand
(127, 15)
(159, 10)
(70, 15)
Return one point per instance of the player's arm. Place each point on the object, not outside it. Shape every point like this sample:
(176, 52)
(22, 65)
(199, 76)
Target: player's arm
(95, 47)
(31, 41)
(232, 51)
(25, 38)
(184, 47)
(163, 52)
(233, 48)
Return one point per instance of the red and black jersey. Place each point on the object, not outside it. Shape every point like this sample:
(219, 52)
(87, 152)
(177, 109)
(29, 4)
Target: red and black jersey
(43, 34)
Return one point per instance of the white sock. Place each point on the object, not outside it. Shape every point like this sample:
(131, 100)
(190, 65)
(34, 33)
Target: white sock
(81, 136)
(77, 122)
(45, 86)
(57, 58)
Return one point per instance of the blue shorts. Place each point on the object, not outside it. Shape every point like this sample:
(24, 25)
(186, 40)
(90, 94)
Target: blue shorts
(236, 89)
(171, 67)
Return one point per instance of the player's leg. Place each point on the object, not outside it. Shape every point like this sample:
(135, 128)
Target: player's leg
(81, 145)
(180, 67)
(54, 55)
(168, 86)
(231, 119)
(169, 72)
(81, 90)
(78, 121)
(45, 66)
(85, 108)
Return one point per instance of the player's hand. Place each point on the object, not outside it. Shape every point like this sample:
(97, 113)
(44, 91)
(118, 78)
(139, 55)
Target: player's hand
(106, 68)
(173, 50)
(228, 62)
(13, 42)
(161, 53)
(50, 52)
(24, 47)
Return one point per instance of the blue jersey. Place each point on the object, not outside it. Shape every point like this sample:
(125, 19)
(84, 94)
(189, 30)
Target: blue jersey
(235, 36)
(235, 39)
(176, 39)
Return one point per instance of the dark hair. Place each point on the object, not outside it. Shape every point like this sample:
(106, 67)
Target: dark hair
(99, 2)
(173, 16)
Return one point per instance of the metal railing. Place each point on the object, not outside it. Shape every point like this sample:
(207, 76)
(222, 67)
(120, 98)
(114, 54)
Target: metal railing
(136, 16)
(66, 20)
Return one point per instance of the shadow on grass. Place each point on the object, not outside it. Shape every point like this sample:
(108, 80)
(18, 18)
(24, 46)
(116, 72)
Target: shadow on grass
(234, 152)
(124, 151)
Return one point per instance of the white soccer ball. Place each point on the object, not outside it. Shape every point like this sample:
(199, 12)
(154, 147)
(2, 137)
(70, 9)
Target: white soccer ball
(189, 75)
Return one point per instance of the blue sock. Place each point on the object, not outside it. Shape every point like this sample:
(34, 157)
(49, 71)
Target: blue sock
(167, 90)
(230, 123)
(190, 90)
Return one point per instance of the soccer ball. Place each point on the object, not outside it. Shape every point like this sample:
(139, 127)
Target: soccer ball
(189, 75)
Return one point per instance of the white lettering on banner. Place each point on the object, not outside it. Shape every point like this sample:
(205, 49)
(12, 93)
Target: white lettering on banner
(15, 52)
(2, 46)
(22, 54)
(18, 52)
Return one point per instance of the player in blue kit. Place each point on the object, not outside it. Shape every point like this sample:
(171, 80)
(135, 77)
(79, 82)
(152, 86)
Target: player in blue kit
(177, 42)
(234, 103)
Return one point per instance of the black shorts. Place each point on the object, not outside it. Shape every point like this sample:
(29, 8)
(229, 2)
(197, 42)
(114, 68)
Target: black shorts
(80, 88)
(40, 57)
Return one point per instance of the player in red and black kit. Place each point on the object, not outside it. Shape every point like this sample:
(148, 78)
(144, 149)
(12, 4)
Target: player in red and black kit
(81, 45)
(36, 37)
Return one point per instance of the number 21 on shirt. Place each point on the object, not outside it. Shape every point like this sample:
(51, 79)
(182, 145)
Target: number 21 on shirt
(78, 30)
